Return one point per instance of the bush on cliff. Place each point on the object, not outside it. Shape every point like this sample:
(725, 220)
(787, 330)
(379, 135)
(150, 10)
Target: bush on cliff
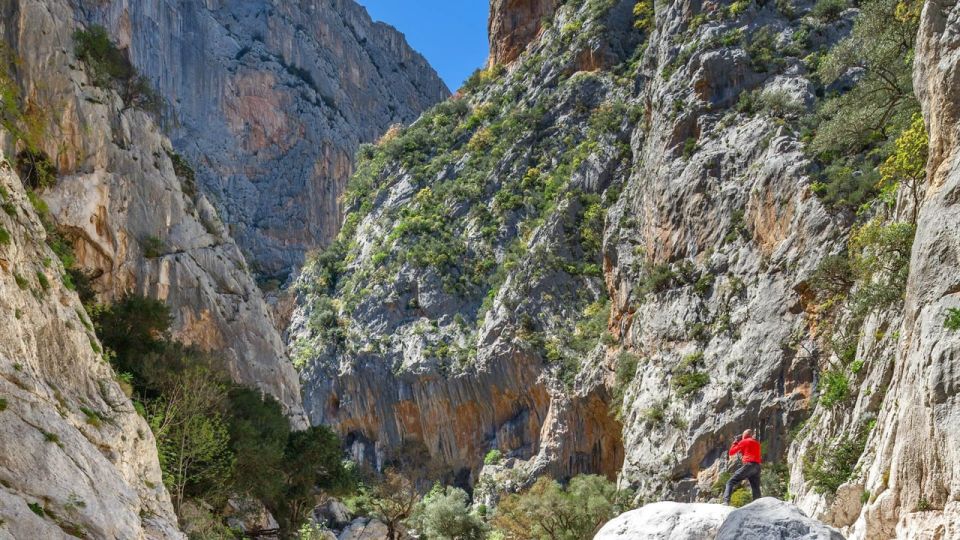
(853, 131)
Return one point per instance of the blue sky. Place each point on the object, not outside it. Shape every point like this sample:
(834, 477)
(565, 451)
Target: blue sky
(451, 34)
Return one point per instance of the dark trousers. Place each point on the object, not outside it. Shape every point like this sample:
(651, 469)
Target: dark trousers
(749, 471)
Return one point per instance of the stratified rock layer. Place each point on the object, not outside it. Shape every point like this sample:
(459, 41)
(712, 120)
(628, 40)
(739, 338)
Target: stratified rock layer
(513, 24)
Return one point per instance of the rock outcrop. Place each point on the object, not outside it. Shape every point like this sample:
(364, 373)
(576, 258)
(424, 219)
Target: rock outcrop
(667, 521)
(762, 519)
(76, 460)
(513, 24)
(770, 518)
(269, 100)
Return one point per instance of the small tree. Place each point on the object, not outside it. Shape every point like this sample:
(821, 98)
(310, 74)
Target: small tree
(192, 438)
(313, 461)
(908, 163)
(392, 501)
(547, 511)
(444, 514)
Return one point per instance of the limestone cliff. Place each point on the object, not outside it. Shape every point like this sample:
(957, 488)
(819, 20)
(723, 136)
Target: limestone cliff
(600, 202)
(76, 460)
(905, 483)
(269, 101)
(513, 24)
(603, 257)
(136, 225)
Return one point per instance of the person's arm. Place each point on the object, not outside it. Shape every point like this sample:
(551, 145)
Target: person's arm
(735, 449)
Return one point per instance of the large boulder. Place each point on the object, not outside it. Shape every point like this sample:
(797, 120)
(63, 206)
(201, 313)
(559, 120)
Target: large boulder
(667, 521)
(760, 520)
(365, 529)
(771, 518)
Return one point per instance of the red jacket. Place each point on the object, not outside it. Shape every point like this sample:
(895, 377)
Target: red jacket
(750, 449)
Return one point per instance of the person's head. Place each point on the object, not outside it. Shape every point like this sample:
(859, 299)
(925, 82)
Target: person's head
(747, 433)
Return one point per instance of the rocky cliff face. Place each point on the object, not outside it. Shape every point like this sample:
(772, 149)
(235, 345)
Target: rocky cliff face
(136, 226)
(513, 24)
(76, 460)
(618, 215)
(269, 101)
(608, 250)
(905, 483)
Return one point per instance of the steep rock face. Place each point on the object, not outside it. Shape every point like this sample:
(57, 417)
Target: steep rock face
(906, 482)
(269, 100)
(417, 357)
(513, 24)
(76, 460)
(640, 223)
(136, 225)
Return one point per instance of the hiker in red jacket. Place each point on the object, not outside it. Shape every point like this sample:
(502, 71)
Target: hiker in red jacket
(750, 448)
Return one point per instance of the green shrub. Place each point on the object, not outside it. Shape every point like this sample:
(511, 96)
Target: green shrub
(625, 372)
(775, 480)
(43, 281)
(3, 404)
(762, 50)
(832, 463)
(834, 388)
(907, 165)
(844, 185)
(656, 279)
(4, 237)
(779, 103)
(741, 497)
(689, 147)
(36, 509)
(952, 321)
(35, 169)
(655, 414)
(109, 67)
(644, 12)
(186, 174)
(687, 378)
(444, 514)
(493, 457)
(153, 247)
(94, 418)
(107, 63)
(829, 10)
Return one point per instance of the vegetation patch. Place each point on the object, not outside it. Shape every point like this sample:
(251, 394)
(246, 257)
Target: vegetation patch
(688, 378)
(832, 463)
(110, 67)
(214, 438)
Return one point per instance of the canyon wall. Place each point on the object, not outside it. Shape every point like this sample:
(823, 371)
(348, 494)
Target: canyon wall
(76, 460)
(269, 100)
(605, 257)
(600, 202)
